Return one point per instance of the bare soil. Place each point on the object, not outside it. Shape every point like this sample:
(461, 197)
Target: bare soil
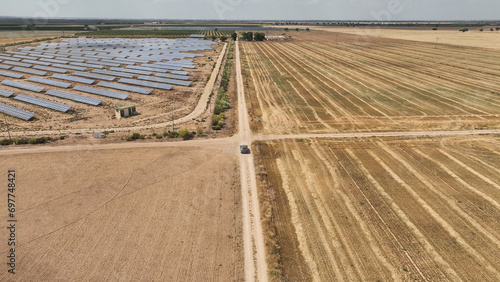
(385, 209)
(164, 214)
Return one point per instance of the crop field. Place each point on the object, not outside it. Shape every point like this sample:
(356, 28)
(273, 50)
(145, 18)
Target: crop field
(166, 33)
(331, 82)
(385, 209)
(155, 214)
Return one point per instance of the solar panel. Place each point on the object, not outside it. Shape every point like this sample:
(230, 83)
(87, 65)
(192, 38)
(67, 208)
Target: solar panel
(24, 86)
(11, 74)
(15, 112)
(22, 57)
(101, 92)
(124, 87)
(103, 63)
(96, 76)
(69, 67)
(9, 58)
(151, 69)
(180, 72)
(174, 76)
(49, 82)
(166, 80)
(132, 71)
(115, 73)
(41, 56)
(54, 61)
(73, 78)
(5, 67)
(146, 83)
(43, 103)
(19, 64)
(30, 71)
(36, 62)
(74, 97)
(94, 66)
(6, 93)
(58, 70)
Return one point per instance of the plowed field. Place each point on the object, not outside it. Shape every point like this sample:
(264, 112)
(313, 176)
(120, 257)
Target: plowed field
(385, 209)
(152, 214)
(324, 82)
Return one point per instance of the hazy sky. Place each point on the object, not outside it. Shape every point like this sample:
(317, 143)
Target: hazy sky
(258, 9)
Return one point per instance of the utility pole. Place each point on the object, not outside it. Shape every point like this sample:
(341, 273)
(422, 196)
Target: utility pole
(7, 125)
(172, 117)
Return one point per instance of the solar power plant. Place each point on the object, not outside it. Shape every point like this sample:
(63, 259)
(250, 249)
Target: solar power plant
(15, 112)
(101, 92)
(6, 93)
(69, 67)
(87, 65)
(5, 67)
(115, 73)
(174, 76)
(73, 78)
(49, 82)
(19, 64)
(15, 53)
(58, 70)
(11, 74)
(132, 71)
(180, 72)
(118, 86)
(146, 83)
(166, 80)
(74, 97)
(30, 71)
(141, 68)
(96, 76)
(24, 86)
(36, 62)
(43, 103)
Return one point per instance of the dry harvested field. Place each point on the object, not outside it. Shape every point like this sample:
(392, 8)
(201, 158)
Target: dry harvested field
(162, 214)
(472, 38)
(28, 35)
(385, 209)
(332, 82)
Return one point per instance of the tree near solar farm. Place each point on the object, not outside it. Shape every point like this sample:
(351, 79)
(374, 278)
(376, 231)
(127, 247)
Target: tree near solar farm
(214, 37)
(286, 28)
(248, 36)
(223, 38)
(234, 36)
(185, 134)
(259, 36)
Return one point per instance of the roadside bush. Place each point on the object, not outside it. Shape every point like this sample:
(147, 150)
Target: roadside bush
(6, 142)
(185, 134)
(134, 136)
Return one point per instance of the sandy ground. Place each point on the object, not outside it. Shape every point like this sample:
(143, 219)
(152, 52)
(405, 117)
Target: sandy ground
(126, 214)
(472, 38)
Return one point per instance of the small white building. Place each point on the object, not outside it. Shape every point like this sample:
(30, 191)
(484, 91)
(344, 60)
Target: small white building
(126, 111)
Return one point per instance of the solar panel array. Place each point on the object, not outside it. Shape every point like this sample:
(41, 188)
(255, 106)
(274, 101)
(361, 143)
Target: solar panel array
(174, 76)
(132, 71)
(115, 73)
(165, 80)
(96, 76)
(30, 71)
(58, 70)
(69, 67)
(73, 78)
(74, 97)
(146, 83)
(6, 93)
(94, 66)
(5, 67)
(180, 72)
(11, 74)
(118, 86)
(24, 86)
(101, 92)
(15, 112)
(49, 82)
(36, 62)
(43, 103)
(19, 64)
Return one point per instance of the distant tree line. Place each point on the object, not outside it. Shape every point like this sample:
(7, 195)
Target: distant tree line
(250, 36)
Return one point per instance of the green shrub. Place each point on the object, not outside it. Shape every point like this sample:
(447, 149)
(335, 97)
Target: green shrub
(6, 142)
